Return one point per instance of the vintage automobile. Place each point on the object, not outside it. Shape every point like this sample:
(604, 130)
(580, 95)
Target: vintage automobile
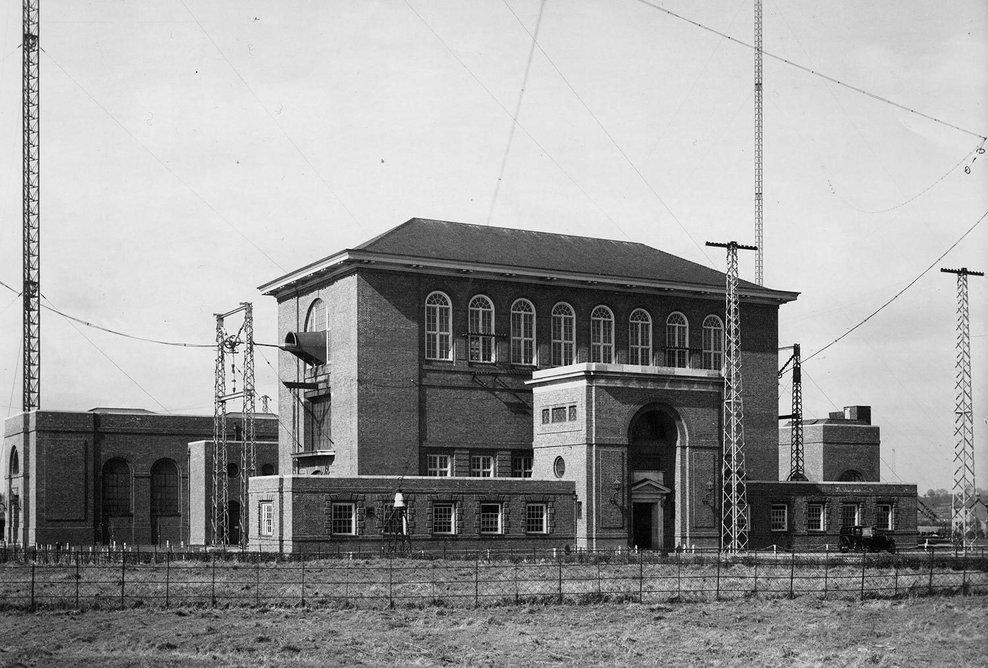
(860, 538)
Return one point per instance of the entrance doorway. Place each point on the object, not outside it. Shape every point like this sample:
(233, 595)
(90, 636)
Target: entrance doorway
(642, 514)
(653, 437)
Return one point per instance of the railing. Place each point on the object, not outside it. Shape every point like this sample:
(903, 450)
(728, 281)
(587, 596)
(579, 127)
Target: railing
(82, 580)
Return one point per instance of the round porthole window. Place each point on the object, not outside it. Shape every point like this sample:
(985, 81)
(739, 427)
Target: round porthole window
(559, 467)
(232, 470)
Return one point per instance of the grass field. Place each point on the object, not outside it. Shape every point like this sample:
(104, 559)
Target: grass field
(805, 632)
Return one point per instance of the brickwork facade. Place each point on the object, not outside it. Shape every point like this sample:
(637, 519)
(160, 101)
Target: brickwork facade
(104, 476)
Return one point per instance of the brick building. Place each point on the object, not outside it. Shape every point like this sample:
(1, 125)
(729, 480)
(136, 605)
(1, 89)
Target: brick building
(490, 373)
(112, 475)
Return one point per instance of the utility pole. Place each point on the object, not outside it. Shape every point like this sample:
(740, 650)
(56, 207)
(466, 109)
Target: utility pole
(31, 144)
(759, 228)
(734, 506)
(795, 418)
(964, 493)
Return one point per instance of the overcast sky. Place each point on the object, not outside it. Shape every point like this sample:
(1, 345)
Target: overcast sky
(193, 150)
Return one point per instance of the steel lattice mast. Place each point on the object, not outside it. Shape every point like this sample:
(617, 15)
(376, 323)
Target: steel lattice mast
(795, 418)
(962, 511)
(227, 345)
(759, 228)
(734, 504)
(31, 291)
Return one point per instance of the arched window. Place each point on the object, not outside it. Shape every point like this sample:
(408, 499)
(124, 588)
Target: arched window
(315, 317)
(438, 328)
(522, 332)
(602, 335)
(481, 330)
(713, 343)
(640, 338)
(563, 334)
(116, 487)
(164, 488)
(15, 462)
(851, 475)
(677, 341)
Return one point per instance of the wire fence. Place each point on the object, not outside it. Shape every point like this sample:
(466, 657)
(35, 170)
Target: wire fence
(85, 580)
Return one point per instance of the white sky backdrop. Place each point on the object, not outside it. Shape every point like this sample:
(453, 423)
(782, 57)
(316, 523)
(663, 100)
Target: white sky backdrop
(193, 150)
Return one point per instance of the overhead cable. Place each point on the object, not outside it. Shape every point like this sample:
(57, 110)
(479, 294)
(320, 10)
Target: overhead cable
(900, 292)
(812, 71)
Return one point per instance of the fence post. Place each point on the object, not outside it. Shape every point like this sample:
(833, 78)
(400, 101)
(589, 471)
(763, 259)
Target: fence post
(792, 573)
(301, 591)
(863, 553)
(257, 579)
(964, 575)
(895, 579)
(560, 562)
(717, 594)
(755, 587)
(32, 584)
(826, 571)
(679, 576)
(517, 596)
(212, 582)
(930, 585)
(476, 581)
(641, 577)
(77, 578)
(123, 577)
(168, 577)
(391, 568)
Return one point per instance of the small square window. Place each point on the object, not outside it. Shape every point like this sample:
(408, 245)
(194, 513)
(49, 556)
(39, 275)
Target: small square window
(344, 519)
(490, 518)
(545, 416)
(482, 466)
(814, 517)
(572, 413)
(438, 466)
(521, 466)
(780, 517)
(444, 518)
(536, 518)
(559, 414)
(265, 518)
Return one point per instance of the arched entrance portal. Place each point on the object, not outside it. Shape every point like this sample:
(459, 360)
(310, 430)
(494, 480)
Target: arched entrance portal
(652, 442)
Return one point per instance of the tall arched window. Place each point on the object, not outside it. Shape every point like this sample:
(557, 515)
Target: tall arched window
(602, 335)
(15, 462)
(315, 317)
(677, 341)
(116, 487)
(563, 334)
(438, 328)
(522, 332)
(713, 343)
(481, 330)
(640, 338)
(164, 488)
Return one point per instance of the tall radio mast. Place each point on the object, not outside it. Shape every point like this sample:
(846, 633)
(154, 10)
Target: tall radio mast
(759, 231)
(31, 290)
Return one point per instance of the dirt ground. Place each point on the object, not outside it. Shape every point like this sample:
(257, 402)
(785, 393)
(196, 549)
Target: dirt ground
(948, 631)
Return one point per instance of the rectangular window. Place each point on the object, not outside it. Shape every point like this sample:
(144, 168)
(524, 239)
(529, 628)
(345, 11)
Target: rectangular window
(780, 517)
(439, 466)
(444, 518)
(884, 519)
(344, 519)
(265, 518)
(490, 518)
(850, 514)
(545, 416)
(521, 466)
(814, 517)
(482, 466)
(572, 413)
(536, 518)
(559, 414)
(318, 424)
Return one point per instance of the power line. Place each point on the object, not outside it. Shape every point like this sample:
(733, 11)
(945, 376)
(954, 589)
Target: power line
(900, 292)
(811, 71)
(514, 116)
(610, 137)
(522, 127)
